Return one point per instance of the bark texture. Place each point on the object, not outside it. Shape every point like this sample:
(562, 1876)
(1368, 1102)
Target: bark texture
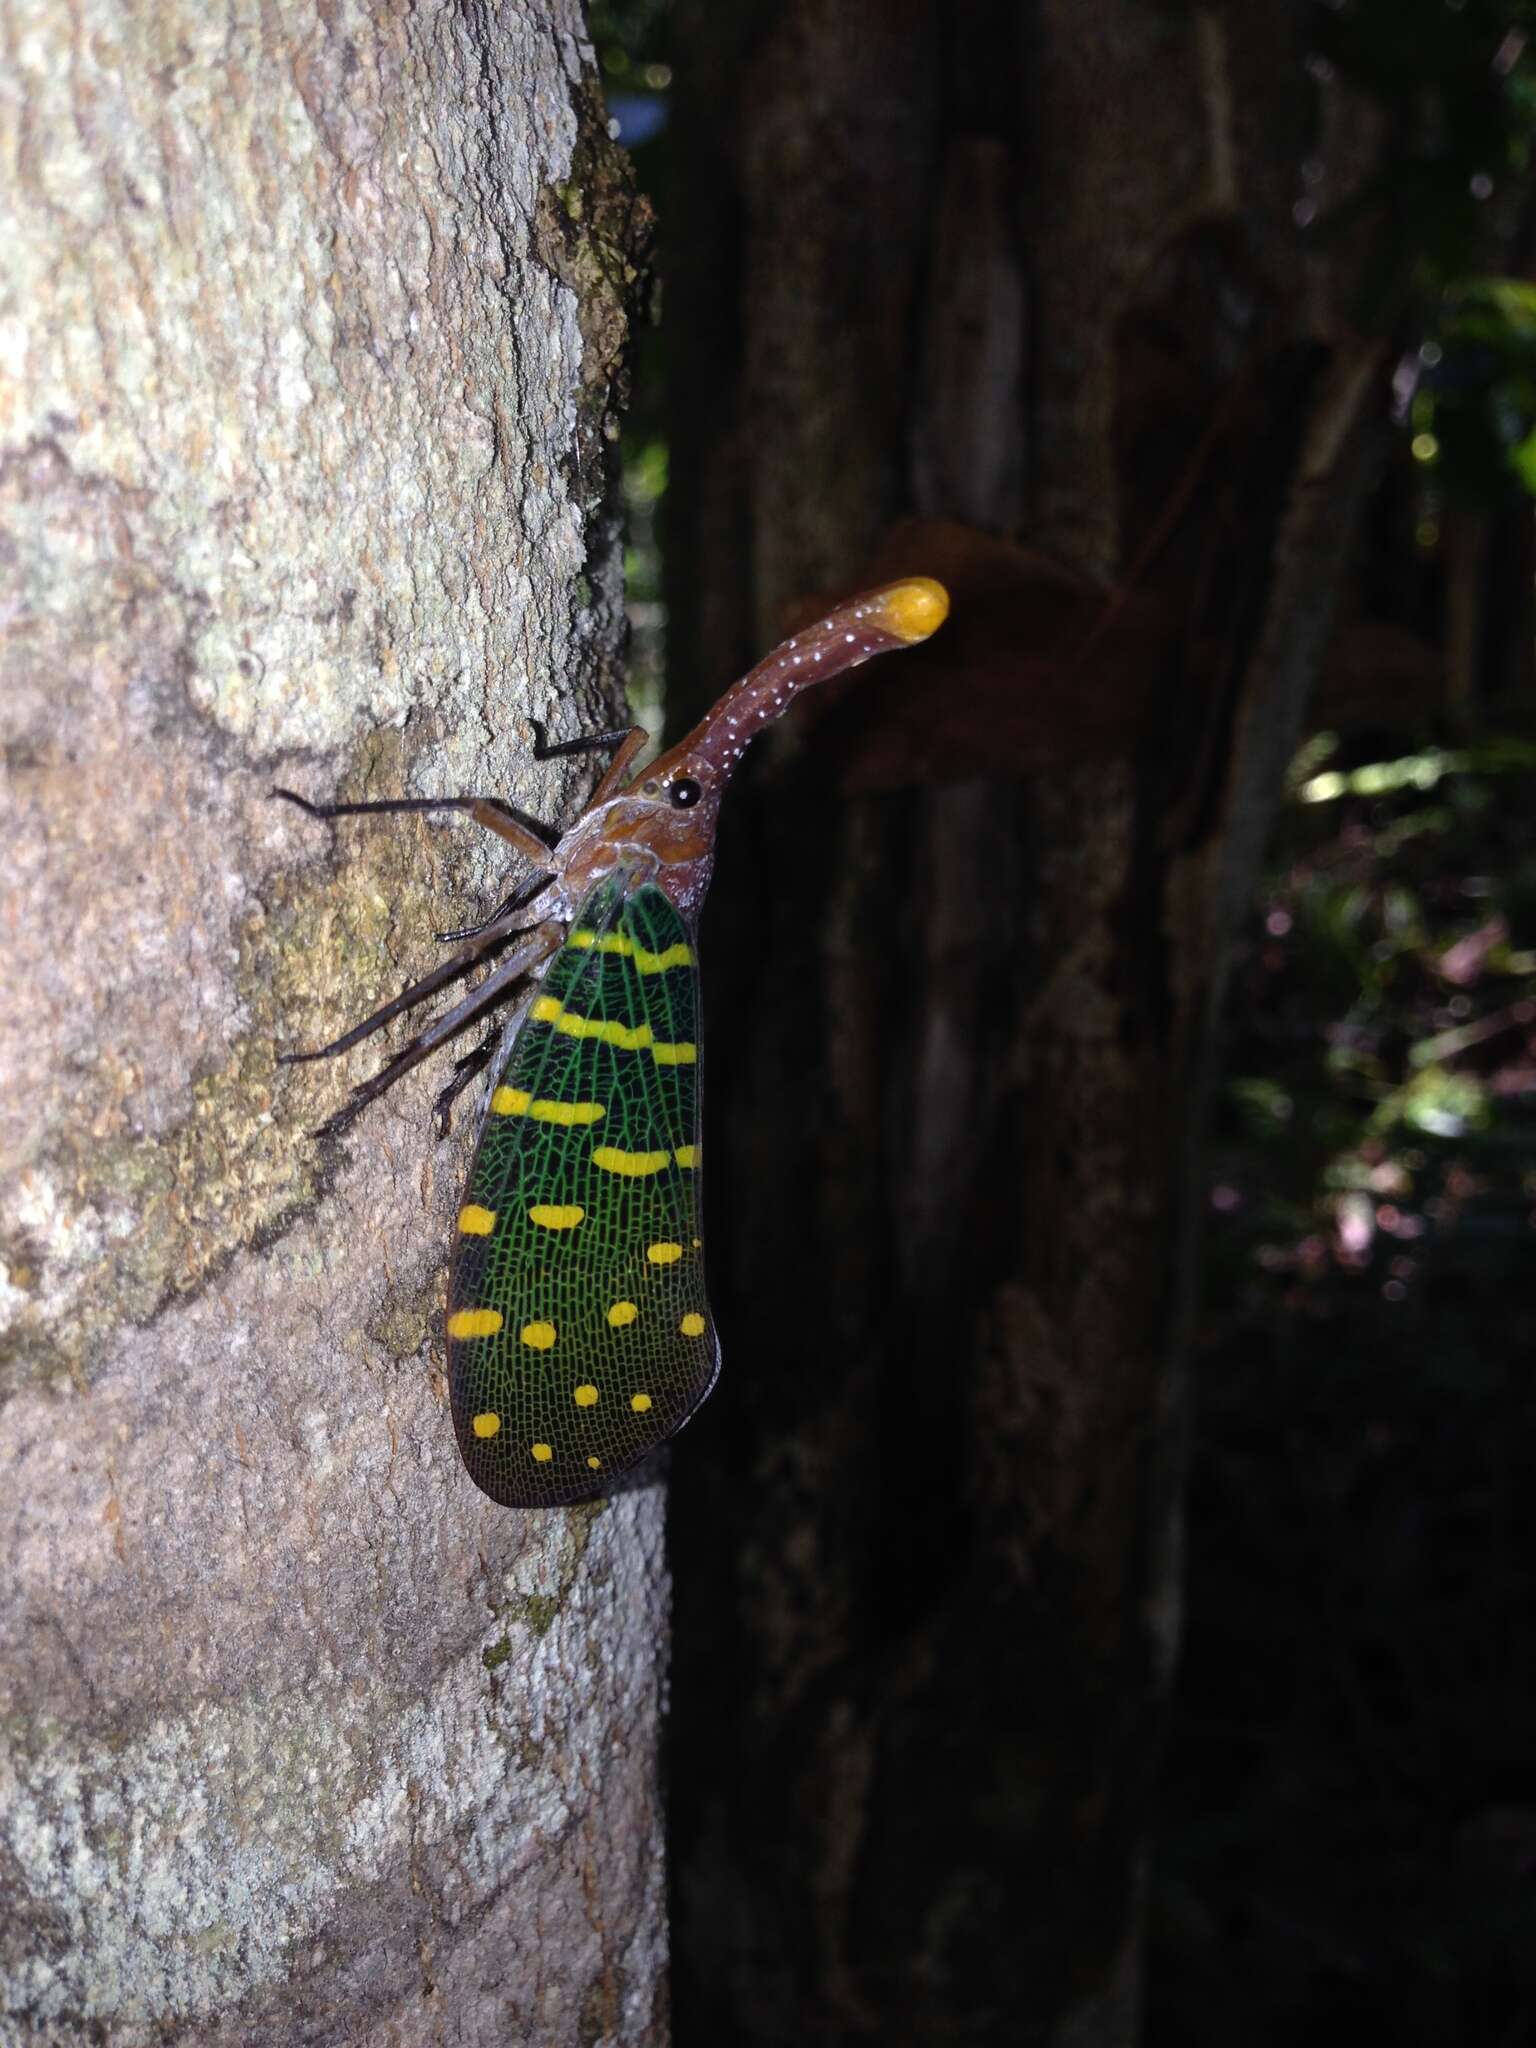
(1028, 280)
(311, 326)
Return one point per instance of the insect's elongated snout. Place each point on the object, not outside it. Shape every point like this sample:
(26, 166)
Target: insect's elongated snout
(880, 621)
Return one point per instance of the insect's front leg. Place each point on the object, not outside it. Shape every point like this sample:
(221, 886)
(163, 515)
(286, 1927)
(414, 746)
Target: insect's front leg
(494, 813)
(545, 749)
(489, 811)
(629, 740)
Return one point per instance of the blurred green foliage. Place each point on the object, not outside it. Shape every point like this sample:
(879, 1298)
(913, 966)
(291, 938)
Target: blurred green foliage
(1349, 1841)
(628, 33)
(632, 39)
(1456, 80)
(1474, 414)
(645, 485)
(1351, 1795)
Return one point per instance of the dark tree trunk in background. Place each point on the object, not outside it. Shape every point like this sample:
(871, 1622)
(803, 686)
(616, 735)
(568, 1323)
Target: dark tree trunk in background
(1015, 296)
(314, 320)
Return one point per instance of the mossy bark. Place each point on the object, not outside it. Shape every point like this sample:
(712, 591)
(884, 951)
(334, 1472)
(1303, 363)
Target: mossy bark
(314, 320)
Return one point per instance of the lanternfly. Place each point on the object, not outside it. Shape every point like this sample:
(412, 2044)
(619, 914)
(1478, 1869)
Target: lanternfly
(579, 1335)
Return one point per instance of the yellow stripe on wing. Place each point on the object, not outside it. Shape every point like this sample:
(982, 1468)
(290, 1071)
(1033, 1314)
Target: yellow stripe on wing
(628, 1037)
(646, 962)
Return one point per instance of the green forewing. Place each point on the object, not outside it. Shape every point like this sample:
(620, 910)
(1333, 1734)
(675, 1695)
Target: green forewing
(579, 1336)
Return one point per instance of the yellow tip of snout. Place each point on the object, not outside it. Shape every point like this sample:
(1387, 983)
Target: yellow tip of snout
(914, 609)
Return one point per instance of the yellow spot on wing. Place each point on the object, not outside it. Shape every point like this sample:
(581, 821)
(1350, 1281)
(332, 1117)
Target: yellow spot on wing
(537, 1336)
(486, 1425)
(596, 1464)
(663, 1254)
(687, 1155)
(474, 1322)
(518, 1102)
(585, 1396)
(692, 1324)
(556, 1215)
(542, 1452)
(567, 1112)
(621, 1313)
(680, 1055)
(475, 1221)
(639, 1402)
(611, 1160)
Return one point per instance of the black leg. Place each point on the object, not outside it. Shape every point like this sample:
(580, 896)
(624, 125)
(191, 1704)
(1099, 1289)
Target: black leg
(461, 932)
(521, 896)
(418, 991)
(538, 944)
(464, 1071)
(589, 742)
(489, 811)
(616, 774)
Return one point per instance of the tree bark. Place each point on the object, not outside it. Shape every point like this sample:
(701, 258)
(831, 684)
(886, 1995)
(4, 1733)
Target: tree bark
(312, 335)
(975, 290)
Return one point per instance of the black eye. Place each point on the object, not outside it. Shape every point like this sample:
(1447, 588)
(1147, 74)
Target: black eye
(685, 792)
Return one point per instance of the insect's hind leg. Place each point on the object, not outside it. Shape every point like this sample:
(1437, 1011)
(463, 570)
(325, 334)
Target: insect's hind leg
(536, 946)
(516, 920)
(464, 1071)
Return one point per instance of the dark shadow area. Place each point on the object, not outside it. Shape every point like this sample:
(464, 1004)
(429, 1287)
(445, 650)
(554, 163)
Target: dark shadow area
(1091, 1317)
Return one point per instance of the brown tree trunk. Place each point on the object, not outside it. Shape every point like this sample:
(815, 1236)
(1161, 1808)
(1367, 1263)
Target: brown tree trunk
(312, 317)
(1030, 282)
